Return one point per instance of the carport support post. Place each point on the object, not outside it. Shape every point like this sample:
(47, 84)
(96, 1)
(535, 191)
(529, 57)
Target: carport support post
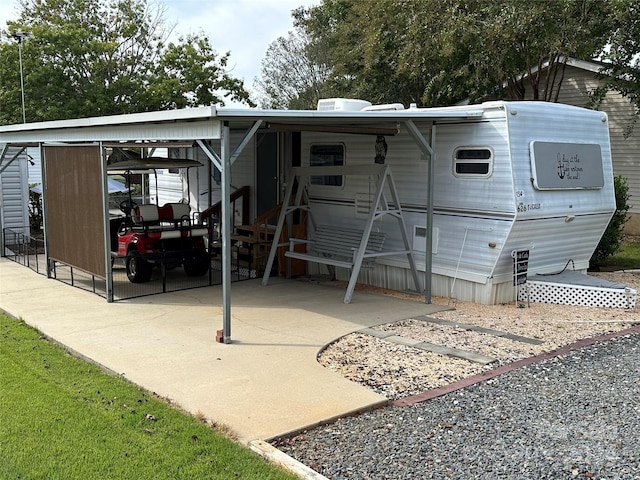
(429, 151)
(223, 163)
(106, 226)
(225, 225)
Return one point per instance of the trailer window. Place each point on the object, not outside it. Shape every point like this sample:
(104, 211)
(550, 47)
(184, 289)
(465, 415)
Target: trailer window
(473, 162)
(326, 155)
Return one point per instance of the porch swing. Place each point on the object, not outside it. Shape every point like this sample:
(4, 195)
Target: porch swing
(336, 245)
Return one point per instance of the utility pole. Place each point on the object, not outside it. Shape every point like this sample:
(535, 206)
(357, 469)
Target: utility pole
(19, 36)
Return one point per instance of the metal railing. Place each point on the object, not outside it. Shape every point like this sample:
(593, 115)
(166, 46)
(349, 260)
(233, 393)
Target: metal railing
(25, 249)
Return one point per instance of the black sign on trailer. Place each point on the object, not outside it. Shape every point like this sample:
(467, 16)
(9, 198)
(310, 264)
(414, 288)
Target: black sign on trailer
(520, 266)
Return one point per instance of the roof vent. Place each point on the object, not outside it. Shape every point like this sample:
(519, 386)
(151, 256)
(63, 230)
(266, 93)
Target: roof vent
(384, 107)
(342, 104)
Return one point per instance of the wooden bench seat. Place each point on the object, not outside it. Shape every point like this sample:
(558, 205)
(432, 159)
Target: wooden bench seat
(337, 246)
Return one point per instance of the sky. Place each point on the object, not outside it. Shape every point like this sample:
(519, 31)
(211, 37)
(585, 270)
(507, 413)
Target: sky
(244, 27)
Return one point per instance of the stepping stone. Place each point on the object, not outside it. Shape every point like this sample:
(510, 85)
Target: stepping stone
(454, 352)
(410, 342)
(476, 328)
(375, 333)
(427, 346)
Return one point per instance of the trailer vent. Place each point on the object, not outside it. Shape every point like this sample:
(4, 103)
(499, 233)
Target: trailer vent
(384, 107)
(420, 239)
(473, 162)
(342, 104)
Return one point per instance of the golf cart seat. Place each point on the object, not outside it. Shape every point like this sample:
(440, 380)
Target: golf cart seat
(175, 213)
(145, 215)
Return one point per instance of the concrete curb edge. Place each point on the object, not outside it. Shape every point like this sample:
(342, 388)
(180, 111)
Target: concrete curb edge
(278, 457)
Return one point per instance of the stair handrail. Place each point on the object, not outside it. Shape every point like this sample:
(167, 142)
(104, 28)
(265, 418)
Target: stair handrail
(215, 210)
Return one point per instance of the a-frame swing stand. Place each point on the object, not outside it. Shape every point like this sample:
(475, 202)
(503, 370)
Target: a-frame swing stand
(362, 246)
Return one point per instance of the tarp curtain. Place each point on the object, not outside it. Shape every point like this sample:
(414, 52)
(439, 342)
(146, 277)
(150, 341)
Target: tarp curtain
(74, 207)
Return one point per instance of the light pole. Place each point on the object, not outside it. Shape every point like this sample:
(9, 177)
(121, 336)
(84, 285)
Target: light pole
(19, 36)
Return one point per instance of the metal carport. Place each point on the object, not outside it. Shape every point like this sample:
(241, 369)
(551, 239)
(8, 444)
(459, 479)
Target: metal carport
(200, 125)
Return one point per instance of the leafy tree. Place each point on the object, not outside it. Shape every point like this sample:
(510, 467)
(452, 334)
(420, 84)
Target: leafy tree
(294, 72)
(365, 44)
(189, 73)
(436, 52)
(612, 237)
(524, 37)
(621, 55)
(93, 57)
(292, 75)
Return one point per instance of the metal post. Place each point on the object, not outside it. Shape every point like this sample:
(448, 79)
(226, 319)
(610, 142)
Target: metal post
(429, 151)
(24, 113)
(225, 225)
(19, 36)
(429, 242)
(108, 265)
(45, 208)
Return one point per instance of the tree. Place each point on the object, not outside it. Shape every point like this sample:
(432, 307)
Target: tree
(524, 38)
(92, 57)
(612, 238)
(437, 52)
(621, 55)
(293, 72)
(190, 74)
(364, 43)
(289, 79)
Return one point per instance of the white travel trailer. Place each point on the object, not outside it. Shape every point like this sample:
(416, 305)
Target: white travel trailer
(512, 176)
(522, 176)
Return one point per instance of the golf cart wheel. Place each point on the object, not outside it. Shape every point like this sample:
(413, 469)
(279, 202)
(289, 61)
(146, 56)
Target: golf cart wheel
(138, 269)
(197, 266)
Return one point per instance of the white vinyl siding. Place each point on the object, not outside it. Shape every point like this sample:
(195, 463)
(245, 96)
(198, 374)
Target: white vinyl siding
(15, 192)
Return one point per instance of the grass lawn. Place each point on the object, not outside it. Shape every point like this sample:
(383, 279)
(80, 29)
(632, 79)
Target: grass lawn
(627, 257)
(63, 418)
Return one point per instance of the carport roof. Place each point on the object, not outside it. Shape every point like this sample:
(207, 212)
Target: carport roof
(206, 122)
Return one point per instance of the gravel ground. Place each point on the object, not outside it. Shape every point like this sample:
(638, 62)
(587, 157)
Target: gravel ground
(397, 371)
(574, 416)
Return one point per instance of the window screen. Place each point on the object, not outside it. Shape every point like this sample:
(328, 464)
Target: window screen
(327, 155)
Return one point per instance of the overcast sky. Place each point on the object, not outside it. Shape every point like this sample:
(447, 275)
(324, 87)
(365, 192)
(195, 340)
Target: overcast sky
(244, 27)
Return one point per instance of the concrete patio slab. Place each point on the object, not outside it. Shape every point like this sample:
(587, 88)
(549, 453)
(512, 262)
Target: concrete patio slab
(264, 384)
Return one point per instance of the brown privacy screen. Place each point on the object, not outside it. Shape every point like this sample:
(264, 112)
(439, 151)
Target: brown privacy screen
(75, 215)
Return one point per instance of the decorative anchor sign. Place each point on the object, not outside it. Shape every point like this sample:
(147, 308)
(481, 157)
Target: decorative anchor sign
(520, 266)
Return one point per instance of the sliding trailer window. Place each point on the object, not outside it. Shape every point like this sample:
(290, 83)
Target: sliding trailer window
(473, 162)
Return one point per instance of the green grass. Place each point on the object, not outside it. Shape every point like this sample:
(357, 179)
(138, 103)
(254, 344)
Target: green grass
(627, 257)
(63, 418)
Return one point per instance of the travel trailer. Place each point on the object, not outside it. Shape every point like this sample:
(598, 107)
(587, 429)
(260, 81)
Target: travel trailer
(531, 177)
(475, 184)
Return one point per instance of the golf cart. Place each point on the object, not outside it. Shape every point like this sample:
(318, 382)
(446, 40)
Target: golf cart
(149, 235)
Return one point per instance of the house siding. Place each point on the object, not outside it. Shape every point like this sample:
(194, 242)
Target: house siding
(14, 194)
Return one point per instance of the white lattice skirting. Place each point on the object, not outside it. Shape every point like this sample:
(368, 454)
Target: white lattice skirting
(564, 294)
